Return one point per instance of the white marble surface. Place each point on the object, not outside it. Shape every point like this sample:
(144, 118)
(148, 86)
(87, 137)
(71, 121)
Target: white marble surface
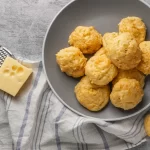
(23, 24)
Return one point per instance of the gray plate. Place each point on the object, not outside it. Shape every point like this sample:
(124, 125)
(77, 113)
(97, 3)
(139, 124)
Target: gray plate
(104, 15)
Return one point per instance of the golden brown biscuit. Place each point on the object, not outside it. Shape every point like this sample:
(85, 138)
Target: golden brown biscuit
(144, 65)
(124, 51)
(108, 37)
(135, 26)
(87, 39)
(94, 98)
(71, 61)
(147, 124)
(126, 94)
(100, 70)
(101, 51)
(130, 74)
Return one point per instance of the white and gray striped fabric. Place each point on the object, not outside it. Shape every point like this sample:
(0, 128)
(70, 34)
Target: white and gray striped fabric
(37, 120)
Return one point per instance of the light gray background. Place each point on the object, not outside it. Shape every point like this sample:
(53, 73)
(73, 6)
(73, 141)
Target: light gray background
(23, 24)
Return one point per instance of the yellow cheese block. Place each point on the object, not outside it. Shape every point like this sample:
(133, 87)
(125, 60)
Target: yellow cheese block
(13, 75)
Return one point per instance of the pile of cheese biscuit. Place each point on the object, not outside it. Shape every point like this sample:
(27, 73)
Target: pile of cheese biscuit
(117, 68)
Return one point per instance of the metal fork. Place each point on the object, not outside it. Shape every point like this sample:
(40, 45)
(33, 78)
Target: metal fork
(4, 52)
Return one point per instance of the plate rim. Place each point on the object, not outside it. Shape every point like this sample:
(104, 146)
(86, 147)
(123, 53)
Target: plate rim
(53, 90)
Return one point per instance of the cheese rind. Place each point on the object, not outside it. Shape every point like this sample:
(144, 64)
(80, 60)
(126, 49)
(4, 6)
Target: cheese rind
(13, 75)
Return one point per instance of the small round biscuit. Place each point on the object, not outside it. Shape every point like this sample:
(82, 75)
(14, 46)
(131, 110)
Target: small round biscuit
(108, 37)
(144, 65)
(94, 98)
(135, 26)
(71, 61)
(126, 94)
(130, 74)
(124, 51)
(147, 124)
(101, 51)
(100, 70)
(87, 39)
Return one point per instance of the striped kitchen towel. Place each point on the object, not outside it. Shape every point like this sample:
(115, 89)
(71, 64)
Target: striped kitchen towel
(37, 120)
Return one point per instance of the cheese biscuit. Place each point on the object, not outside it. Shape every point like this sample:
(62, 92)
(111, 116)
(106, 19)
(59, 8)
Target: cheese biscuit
(147, 124)
(130, 74)
(87, 39)
(71, 61)
(144, 65)
(126, 94)
(135, 26)
(100, 70)
(94, 98)
(124, 51)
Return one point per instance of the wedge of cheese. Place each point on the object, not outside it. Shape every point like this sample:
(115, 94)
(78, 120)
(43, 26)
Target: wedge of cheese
(13, 75)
